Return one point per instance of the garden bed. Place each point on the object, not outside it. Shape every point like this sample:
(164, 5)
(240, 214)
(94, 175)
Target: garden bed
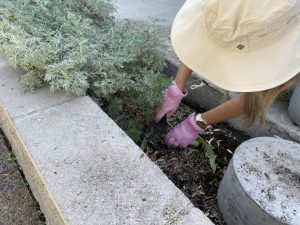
(81, 48)
(189, 168)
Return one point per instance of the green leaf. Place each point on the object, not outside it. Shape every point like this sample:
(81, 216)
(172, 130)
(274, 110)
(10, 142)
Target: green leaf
(10, 158)
(131, 129)
(30, 81)
(209, 152)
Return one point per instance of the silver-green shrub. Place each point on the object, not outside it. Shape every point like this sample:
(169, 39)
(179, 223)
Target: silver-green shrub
(77, 45)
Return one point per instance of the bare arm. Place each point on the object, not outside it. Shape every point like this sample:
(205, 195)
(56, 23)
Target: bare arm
(182, 75)
(226, 111)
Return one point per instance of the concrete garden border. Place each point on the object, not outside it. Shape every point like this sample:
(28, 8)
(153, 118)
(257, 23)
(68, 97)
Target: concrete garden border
(261, 183)
(82, 168)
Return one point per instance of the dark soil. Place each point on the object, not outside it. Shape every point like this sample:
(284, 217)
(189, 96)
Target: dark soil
(189, 168)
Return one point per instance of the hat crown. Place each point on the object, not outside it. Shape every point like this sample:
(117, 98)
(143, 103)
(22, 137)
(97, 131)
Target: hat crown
(267, 57)
(228, 20)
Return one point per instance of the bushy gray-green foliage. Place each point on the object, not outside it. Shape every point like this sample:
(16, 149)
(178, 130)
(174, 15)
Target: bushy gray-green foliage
(77, 45)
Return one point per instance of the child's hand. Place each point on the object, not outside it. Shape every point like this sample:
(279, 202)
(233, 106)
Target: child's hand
(183, 133)
(172, 98)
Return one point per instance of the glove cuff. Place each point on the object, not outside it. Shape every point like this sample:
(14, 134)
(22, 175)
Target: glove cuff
(174, 91)
(192, 125)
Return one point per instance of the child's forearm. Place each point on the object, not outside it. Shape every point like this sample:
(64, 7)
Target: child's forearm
(182, 75)
(226, 111)
(221, 113)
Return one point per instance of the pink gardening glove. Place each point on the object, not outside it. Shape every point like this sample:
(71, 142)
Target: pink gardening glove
(172, 98)
(183, 133)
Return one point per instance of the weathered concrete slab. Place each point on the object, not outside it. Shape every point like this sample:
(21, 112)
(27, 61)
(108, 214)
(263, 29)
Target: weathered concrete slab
(142, 10)
(261, 185)
(17, 205)
(195, 217)
(20, 105)
(92, 171)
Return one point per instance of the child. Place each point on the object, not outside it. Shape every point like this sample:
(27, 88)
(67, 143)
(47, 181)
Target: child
(247, 46)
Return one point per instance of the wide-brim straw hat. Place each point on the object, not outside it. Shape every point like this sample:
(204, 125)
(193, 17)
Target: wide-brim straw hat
(240, 45)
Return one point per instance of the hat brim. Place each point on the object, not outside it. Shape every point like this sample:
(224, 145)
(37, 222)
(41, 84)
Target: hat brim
(255, 70)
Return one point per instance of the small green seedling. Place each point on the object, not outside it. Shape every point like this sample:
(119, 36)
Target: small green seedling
(209, 152)
(10, 158)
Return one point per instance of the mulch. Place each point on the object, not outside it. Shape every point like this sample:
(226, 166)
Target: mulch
(189, 168)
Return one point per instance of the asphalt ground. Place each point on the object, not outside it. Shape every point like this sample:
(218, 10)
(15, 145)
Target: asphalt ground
(17, 205)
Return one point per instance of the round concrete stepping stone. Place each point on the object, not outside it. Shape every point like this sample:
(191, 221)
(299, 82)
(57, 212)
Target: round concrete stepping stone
(262, 184)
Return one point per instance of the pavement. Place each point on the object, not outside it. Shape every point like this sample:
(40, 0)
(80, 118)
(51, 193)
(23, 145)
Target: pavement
(18, 207)
(145, 11)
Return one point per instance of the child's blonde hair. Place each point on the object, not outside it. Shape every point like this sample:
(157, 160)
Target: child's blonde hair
(256, 104)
